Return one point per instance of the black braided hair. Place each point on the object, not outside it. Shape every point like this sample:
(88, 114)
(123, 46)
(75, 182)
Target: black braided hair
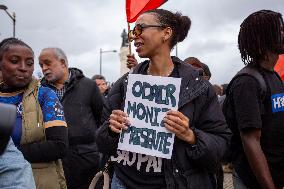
(5, 44)
(259, 33)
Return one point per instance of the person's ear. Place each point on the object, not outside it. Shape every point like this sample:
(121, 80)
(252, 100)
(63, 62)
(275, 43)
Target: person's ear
(63, 63)
(168, 32)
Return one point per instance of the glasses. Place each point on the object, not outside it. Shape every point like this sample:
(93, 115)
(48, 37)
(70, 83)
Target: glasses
(138, 29)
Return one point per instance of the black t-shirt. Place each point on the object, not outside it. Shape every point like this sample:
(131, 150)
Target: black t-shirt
(268, 115)
(139, 171)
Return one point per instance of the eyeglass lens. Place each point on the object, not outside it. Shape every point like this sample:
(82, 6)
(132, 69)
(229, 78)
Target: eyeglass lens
(137, 30)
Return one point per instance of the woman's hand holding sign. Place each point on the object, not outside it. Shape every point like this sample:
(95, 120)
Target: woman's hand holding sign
(118, 121)
(178, 123)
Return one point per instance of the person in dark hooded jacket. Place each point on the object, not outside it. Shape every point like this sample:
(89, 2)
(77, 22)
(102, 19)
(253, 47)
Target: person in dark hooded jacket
(83, 105)
(201, 133)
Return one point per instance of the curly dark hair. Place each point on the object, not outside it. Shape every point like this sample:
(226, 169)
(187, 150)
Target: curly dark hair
(259, 33)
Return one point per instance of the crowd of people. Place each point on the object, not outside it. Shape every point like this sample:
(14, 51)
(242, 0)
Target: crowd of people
(68, 126)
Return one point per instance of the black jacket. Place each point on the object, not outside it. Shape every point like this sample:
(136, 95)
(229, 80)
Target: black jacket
(83, 105)
(191, 166)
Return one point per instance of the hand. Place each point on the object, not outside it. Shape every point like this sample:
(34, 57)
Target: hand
(131, 61)
(118, 121)
(178, 124)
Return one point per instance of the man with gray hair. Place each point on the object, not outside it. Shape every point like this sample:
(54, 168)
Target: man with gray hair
(82, 104)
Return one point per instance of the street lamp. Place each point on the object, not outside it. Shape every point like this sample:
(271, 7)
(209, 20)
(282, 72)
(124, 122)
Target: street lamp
(101, 52)
(13, 17)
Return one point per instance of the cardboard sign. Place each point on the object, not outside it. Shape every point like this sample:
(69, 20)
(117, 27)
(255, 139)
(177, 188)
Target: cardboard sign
(148, 98)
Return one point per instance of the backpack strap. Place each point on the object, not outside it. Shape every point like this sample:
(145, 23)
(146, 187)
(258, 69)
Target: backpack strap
(255, 73)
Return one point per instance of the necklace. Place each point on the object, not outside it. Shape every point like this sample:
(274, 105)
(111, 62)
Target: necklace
(167, 75)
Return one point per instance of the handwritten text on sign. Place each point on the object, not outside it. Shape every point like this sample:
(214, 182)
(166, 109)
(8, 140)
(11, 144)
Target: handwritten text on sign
(148, 98)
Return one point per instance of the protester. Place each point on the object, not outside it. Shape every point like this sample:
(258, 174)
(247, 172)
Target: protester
(82, 104)
(254, 96)
(201, 132)
(218, 89)
(102, 84)
(205, 71)
(15, 171)
(206, 74)
(223, 92)
(195, 62)
(40, 132)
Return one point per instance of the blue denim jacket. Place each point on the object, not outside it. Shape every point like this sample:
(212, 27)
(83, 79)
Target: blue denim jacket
(15, 171)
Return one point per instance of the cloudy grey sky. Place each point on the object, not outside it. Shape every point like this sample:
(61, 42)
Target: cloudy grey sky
(82, 27)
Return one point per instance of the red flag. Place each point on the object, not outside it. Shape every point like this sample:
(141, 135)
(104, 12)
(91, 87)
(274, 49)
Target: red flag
(136, 7)
(279, 67)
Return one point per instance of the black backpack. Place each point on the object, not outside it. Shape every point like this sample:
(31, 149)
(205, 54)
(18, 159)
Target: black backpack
(229, 112)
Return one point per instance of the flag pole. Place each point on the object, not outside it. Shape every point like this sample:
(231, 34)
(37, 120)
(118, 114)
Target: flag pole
(176, 50)
(128, 24)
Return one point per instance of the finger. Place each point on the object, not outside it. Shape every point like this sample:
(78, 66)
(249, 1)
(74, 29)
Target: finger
(130, 55)
(176, 120)
(117, 124)
(115, 129)
(130, 58)
(132, 62)
(119, 118)
(129, 66)
(119, 112)
(178, 114)
(178, 128)
(171, 129)
(129, 63)
(182, 136)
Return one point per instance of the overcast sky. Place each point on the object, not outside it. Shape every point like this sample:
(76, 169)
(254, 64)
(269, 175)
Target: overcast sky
(82, 27)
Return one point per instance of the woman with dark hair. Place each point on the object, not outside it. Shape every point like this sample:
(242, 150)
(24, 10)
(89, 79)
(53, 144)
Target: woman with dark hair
(201, 134)
(40, 131)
